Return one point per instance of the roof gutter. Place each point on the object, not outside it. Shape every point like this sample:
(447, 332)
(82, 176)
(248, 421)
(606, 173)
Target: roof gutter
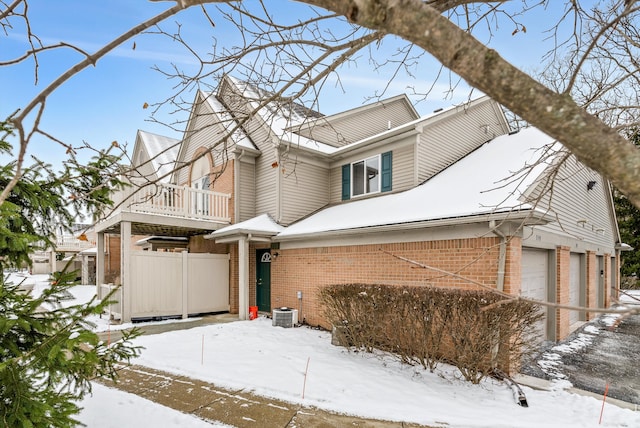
(528, 217)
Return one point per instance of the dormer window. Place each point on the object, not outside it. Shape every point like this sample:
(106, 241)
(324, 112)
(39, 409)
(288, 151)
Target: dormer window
(367, 176)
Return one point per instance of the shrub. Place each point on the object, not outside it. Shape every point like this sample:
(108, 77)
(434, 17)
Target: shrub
(476, 331)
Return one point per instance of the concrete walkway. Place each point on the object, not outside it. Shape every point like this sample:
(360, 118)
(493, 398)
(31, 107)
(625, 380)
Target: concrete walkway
(237, 408)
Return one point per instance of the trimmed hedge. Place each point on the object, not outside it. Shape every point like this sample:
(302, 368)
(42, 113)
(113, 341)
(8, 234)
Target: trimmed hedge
(476, 331)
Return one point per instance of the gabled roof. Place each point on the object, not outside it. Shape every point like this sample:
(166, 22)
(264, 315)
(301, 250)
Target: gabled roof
(162, 152)
(488, 181)
(280, 117)
(290, 122)
(260, 226)
(339, 130)
(238, 136)
(225, 120)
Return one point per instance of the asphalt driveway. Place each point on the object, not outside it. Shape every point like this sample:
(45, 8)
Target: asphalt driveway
(601, 355)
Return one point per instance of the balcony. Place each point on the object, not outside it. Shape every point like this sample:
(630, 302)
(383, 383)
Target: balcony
(70, 243)
(175, 201)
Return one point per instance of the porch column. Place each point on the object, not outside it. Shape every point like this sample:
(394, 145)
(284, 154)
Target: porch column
(99, 263)
(85, 269)
(125, 265)
(52, 261)
(243, 278)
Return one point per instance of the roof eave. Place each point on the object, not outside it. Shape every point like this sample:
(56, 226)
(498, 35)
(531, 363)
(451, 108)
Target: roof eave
(237, 234)
(527, 217)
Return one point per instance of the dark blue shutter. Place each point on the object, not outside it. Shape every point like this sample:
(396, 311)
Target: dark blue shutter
(346, 182)
(386, 172)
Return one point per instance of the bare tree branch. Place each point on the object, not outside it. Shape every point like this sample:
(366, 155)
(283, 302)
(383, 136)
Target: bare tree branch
(556, 114)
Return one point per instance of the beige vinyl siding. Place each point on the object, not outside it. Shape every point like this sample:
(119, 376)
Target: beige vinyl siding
(349, 128)
(335, 185)
(246, 190)
(571, 203)
(265, 174)
(204, 131)
(266, 189)
(402, 168)
(304, 190)
(443, 143)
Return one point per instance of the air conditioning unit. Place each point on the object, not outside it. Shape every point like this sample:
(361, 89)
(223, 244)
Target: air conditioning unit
(284, 317)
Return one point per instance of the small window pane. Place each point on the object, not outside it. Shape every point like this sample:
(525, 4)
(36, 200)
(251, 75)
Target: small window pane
(358, 178)
(373, 175)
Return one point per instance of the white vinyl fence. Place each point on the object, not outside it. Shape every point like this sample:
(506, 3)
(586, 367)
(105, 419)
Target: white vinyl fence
(174, 284)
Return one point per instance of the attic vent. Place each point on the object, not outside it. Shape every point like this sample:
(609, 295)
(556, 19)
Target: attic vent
(285, 317)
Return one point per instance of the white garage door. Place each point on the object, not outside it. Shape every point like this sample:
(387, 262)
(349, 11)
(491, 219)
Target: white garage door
(535, 273)
(574, 287)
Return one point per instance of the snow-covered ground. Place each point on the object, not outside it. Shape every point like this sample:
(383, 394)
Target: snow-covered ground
(272, 362)
(630, 297)
(112, 408)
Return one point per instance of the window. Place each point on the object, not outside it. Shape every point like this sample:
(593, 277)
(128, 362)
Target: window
(201, 200)
(371, 175)
(365, 176)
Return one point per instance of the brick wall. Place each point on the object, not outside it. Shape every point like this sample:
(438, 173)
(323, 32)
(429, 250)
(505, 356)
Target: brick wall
(309, 269)
(112, 256)
(607, 280)
(616, 287)
(563, 260)
(197, 244)
(222, 179)
(513, 267)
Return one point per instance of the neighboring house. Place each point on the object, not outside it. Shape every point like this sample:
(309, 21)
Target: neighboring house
(296, 200)
(68, 247)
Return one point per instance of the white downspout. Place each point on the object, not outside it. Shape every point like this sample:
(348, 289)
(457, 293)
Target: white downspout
(502, 258)
(278, 185)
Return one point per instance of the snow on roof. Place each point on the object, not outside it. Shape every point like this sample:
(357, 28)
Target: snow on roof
(161, 238)
(281, 117)
(488, 180)
(239, 137)
(262, 224)
(285, 119)
(163, 152)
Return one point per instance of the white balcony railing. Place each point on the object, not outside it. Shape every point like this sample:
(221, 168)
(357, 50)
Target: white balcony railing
(176, 201)
(73, 244)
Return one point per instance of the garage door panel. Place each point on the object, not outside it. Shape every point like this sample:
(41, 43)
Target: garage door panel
(535, 273)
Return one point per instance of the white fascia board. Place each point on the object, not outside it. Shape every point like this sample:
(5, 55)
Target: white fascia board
(526, 216)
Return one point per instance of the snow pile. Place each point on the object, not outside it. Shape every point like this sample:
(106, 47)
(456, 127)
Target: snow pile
(271, 361)
(111, 408)
(551, 360)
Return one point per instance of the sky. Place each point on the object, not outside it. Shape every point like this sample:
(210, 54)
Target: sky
(282, 363)
(105, 103)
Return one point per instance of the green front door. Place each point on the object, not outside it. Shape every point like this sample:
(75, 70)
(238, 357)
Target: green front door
(263, 280)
